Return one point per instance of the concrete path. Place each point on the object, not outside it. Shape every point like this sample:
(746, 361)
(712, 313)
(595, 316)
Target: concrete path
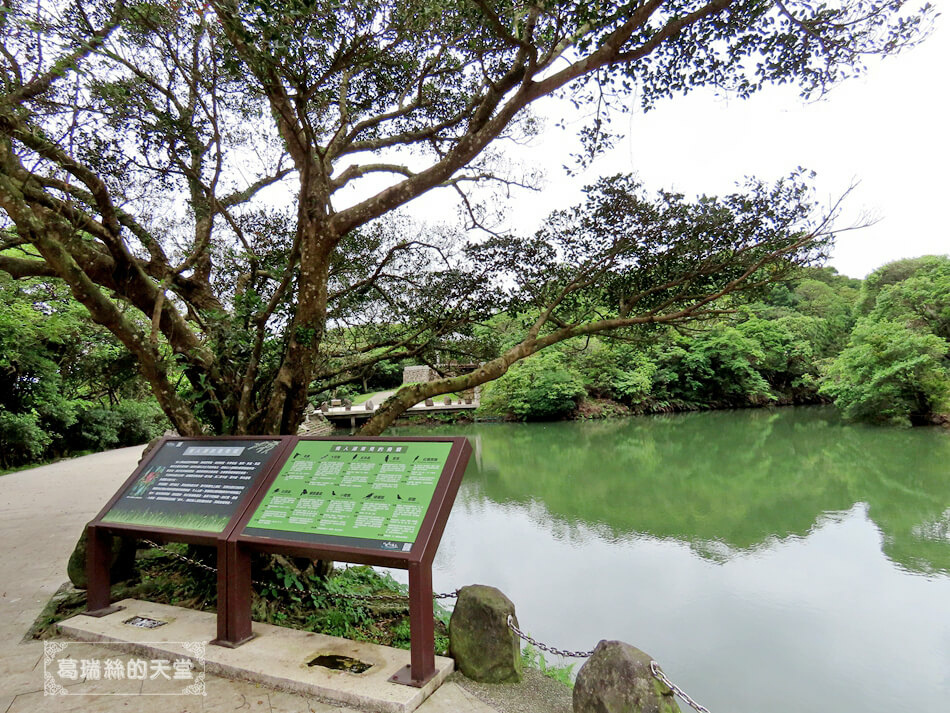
(42, 513)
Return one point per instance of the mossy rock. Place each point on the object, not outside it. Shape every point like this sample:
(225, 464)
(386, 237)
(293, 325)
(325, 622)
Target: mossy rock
(617, 679)
(121, 566)
(483, 646)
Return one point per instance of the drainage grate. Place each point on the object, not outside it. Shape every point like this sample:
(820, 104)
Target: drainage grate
(143, 622)
(340, 663)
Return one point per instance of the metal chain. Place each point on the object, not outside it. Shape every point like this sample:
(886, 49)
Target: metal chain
(545, 647)
(654, 666)
(660, 676)
(190, 561)
(361, 597)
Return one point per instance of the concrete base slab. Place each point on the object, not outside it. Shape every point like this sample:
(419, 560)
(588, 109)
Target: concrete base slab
(276, 656)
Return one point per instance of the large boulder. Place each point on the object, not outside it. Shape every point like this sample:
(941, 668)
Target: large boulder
(121, 568)
(617, 679)
(483, 646)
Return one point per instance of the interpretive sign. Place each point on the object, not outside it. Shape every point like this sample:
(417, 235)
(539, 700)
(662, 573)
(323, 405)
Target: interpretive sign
(190, 490)
(382, 501)
(365, 494)
(379, 501)
(191, 484)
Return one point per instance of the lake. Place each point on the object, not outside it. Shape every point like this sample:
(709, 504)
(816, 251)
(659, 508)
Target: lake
(772, 561)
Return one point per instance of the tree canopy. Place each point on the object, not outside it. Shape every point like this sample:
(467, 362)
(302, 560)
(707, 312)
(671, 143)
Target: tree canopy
(219, 183)
(896, 367)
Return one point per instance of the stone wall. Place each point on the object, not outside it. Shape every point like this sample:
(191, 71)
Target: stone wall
(415, 374)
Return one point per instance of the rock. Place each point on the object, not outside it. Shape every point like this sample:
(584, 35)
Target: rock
(447, 400)
(122, 566)
(483, 646)
(618, 679)
(429, 402)
(307, 567)
(149, 447)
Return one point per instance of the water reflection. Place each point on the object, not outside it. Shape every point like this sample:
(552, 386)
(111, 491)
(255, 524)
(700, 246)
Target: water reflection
(771, 561)
(724, 483)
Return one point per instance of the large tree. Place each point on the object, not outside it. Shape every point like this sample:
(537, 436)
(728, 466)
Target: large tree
(234, 171)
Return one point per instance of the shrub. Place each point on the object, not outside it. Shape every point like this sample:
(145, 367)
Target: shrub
(139, 422)
(539, 387)
(22, 440)
(890, 373)
(96, 429)
(126, 423)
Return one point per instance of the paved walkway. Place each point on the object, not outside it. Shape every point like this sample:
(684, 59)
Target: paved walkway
(42, 513)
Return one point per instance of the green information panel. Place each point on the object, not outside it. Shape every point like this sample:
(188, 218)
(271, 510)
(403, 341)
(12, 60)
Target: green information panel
(363, 494)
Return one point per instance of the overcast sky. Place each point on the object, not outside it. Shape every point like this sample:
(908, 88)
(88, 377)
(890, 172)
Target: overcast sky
(889, 131)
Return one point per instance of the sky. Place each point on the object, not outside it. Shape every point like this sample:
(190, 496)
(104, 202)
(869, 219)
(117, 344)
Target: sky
(887, 131)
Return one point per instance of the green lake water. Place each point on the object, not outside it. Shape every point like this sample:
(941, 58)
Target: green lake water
(772, 561)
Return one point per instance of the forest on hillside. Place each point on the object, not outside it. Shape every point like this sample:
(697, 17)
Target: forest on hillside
(878, 348)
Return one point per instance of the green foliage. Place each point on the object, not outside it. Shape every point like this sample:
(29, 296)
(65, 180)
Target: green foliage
(832, 311)
(766, 351)
(890, 373)
(612, 370)
(539, 387)
(66, 384)
(22, 440)
(789, 347)
(324, 604)
(891, 274)
(921, 300)
(896, 368)
(252, 118)
(714, 368)
(532, 657)
(786, 357)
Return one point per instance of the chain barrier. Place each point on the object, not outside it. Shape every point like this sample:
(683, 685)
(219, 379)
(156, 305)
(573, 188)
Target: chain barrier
(660, 676)
(402, 598)
(654, 666)
(545, 647)
(189, 560)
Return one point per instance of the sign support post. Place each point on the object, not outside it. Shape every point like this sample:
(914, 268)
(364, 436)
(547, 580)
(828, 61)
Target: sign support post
(98, 580)
(234, 596)
(421, 628)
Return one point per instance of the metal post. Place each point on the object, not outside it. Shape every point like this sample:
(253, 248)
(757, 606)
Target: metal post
(234, 596)
(421, 629)
(98, 562)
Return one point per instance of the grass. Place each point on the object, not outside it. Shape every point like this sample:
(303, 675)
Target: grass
(532, 657)
(181, 521)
